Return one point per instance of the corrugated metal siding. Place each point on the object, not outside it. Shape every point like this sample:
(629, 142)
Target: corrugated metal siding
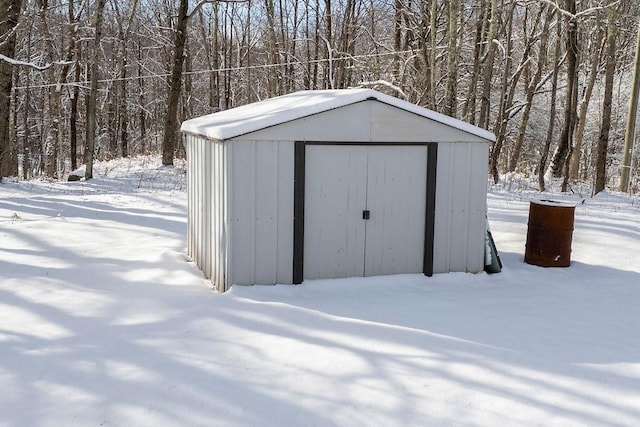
(460, 207)
(478, 169)
(195, 160)
(261, 212)
(206, 237)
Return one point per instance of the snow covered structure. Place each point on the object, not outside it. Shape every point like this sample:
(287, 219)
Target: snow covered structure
(334, 183)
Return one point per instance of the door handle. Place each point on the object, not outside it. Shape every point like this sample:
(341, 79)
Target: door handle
(366, 214)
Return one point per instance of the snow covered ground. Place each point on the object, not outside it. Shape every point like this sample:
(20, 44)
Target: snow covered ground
(103, 322)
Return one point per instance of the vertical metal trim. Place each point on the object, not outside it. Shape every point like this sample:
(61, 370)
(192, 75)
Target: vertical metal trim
(298, 212)
(221, 167)
(430, 208)
(227, 184)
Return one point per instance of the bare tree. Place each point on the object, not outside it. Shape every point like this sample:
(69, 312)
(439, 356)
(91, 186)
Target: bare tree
(9, 13)
(272, 43)
(603, 140)
(532, 86)
(596, 56)
(124, 30)
(508, 88)
(630, 132)
(175, 85)
(93, 93)
(53, 129)
(452, 59)
(565, 141)
(469, 109)
(542, 165)
(487, 67)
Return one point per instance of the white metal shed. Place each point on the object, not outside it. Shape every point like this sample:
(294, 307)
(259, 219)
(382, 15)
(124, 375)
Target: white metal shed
(334, 183)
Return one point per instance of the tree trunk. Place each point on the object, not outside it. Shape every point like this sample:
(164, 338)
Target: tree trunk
(542, 166)
(487, 67)
(450, 98)
(509, 85)
(53, 127)
(433, 41)
(345, 65)
(53, 140)
(13, 128)
(307, 32)
(291, 78)
(73, 119)
(26, 140)
(397, 37)
(469, 110)
(10, 12)
(574, 166)
(175, 86)
(630, 132)
(216, 60)
(123, 113)
(209, 59)
(610, 70)
(329, 43)
(565, 142)
(112, 119)
(501, 119)
(272, 54)
(531, 89)
(90, 140)
(226, 55)
(142, 113)
(75, 92)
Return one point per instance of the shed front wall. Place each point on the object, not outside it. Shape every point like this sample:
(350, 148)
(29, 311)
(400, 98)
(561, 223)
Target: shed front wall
(261, 198)
(261, 225)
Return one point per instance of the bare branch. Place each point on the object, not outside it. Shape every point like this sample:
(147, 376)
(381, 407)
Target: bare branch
(570, 15)
(597, 8)
(385, 84)
(36, 67)
(203, 2)
(557, 7)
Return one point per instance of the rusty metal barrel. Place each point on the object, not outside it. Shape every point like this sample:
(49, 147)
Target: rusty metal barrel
(549, 233)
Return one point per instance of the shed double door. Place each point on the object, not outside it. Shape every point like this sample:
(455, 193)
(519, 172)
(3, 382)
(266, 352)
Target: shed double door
(364, 211)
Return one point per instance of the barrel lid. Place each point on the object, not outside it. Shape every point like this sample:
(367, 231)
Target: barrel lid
(556, 203)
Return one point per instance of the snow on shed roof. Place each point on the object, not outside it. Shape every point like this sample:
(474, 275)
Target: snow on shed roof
(273, 111)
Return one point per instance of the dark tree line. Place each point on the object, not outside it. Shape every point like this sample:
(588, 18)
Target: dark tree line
(84, 79)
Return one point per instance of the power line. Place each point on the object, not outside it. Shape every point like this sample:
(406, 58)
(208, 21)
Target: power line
(218, 70)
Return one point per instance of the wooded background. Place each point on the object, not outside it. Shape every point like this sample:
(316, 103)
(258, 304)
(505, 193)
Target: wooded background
(85, 79)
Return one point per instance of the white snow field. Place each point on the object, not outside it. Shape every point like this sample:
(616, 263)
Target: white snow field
(104, 322)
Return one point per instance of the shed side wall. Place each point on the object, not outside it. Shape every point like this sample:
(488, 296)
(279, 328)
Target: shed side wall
(460, 220)
(262, 212)
(207, 208)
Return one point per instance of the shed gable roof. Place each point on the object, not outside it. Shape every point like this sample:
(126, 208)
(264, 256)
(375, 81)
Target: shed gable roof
(271, 112)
